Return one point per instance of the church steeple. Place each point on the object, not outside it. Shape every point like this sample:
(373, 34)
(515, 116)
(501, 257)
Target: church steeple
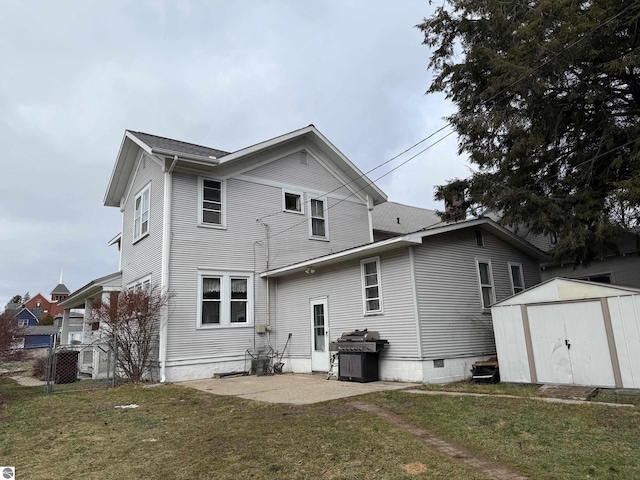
(61, 291)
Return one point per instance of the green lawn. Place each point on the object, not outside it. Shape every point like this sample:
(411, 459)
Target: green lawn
(180, 433)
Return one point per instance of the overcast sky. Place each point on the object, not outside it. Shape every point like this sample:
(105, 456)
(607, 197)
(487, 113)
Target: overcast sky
(76, 74)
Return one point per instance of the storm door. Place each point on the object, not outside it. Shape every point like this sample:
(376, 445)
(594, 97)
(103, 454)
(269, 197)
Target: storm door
(319, 335)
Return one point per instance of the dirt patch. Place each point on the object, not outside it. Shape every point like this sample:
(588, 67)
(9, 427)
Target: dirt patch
(415, 468)
(487, 467)
(567, 392)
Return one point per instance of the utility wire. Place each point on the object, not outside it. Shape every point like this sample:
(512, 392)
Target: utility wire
(449, 125)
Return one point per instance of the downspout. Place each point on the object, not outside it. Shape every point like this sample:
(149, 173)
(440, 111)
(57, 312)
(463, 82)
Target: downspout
(266, 228)
(164, 276)
(370, 217)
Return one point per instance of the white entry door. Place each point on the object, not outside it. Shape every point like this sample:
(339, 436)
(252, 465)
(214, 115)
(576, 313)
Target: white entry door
(319, 335)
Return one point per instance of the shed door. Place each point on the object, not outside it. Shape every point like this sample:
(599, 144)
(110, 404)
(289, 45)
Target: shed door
(570, 344)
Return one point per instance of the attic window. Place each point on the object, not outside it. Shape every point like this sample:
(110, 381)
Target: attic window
(479, 238)
(292, 202)
(141, 213)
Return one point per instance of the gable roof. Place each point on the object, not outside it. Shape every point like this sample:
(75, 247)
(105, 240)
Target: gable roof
(24, 310)
(210, 158)
(398, 218)
(409, 239)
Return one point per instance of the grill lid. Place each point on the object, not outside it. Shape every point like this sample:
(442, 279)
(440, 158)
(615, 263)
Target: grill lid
(360, 336)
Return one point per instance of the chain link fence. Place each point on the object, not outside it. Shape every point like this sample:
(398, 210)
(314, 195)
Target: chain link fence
(62, 368)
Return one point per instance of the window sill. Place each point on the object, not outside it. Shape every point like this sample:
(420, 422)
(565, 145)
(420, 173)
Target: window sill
(374, 314)
(293, 211)
(321, 239)
(222, 327)
(211, 226)
(140, 238)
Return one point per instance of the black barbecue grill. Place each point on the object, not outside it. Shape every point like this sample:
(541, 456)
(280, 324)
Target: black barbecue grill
(358, 355)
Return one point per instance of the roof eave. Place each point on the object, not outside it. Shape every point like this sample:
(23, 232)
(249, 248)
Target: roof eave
(358, 252)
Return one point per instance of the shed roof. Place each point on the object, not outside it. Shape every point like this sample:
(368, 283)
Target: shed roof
(566, 289)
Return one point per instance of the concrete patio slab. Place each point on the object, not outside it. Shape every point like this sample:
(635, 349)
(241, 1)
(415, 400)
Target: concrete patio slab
(290, 388)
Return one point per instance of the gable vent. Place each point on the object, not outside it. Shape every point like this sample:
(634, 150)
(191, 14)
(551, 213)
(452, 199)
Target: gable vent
(304, 157)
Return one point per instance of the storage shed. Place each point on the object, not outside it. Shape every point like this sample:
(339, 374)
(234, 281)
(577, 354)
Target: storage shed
(570, 332)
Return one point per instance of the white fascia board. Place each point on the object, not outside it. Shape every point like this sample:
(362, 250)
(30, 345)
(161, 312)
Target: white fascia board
(77, 298)
(115, 239)
(358, 252)
(360, 177)
(122, 167)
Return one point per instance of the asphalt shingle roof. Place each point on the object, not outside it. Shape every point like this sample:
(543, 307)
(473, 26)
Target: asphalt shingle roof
(60, 288)
(402, 219)
(177, 146)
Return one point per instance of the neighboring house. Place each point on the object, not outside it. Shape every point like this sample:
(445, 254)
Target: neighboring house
(40, 305)
(622, 269)
(203, 223)
(40, 336)
(33, 334)
(428, 293)
(75, 327)
(25, 318)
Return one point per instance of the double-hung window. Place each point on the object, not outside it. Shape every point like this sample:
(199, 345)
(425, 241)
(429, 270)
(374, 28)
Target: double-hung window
(485, 277)
(318, 213)
(212, 208)
(371, 288)
(141, 213)
(517, 279)
(211, 298)
(226, 298)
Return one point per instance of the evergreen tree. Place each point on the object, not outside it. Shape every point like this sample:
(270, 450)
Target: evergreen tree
(548, 109)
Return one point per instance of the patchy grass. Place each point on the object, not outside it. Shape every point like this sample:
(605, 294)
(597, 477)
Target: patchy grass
(539, 439)
(187, 434)
(181, 433)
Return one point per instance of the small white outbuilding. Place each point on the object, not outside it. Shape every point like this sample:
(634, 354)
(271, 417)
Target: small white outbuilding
(570, 332)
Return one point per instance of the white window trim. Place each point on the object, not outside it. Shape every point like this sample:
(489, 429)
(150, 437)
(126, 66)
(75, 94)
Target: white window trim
(513, 288)
(325, 210)
(366, 312)
(23, 322)
(147, 187)
(225, 298)
(141, 282)
(223, 198)
(493, 286)
(284, 204)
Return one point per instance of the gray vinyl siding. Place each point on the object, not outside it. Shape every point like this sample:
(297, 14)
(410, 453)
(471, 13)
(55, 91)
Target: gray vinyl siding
(313, 175)
(623, 270)
(452, 323)
(242, 245)
(145, 256)
(342, 285)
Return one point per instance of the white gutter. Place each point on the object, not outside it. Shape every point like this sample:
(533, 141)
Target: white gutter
(186, 156)
(164, 276)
